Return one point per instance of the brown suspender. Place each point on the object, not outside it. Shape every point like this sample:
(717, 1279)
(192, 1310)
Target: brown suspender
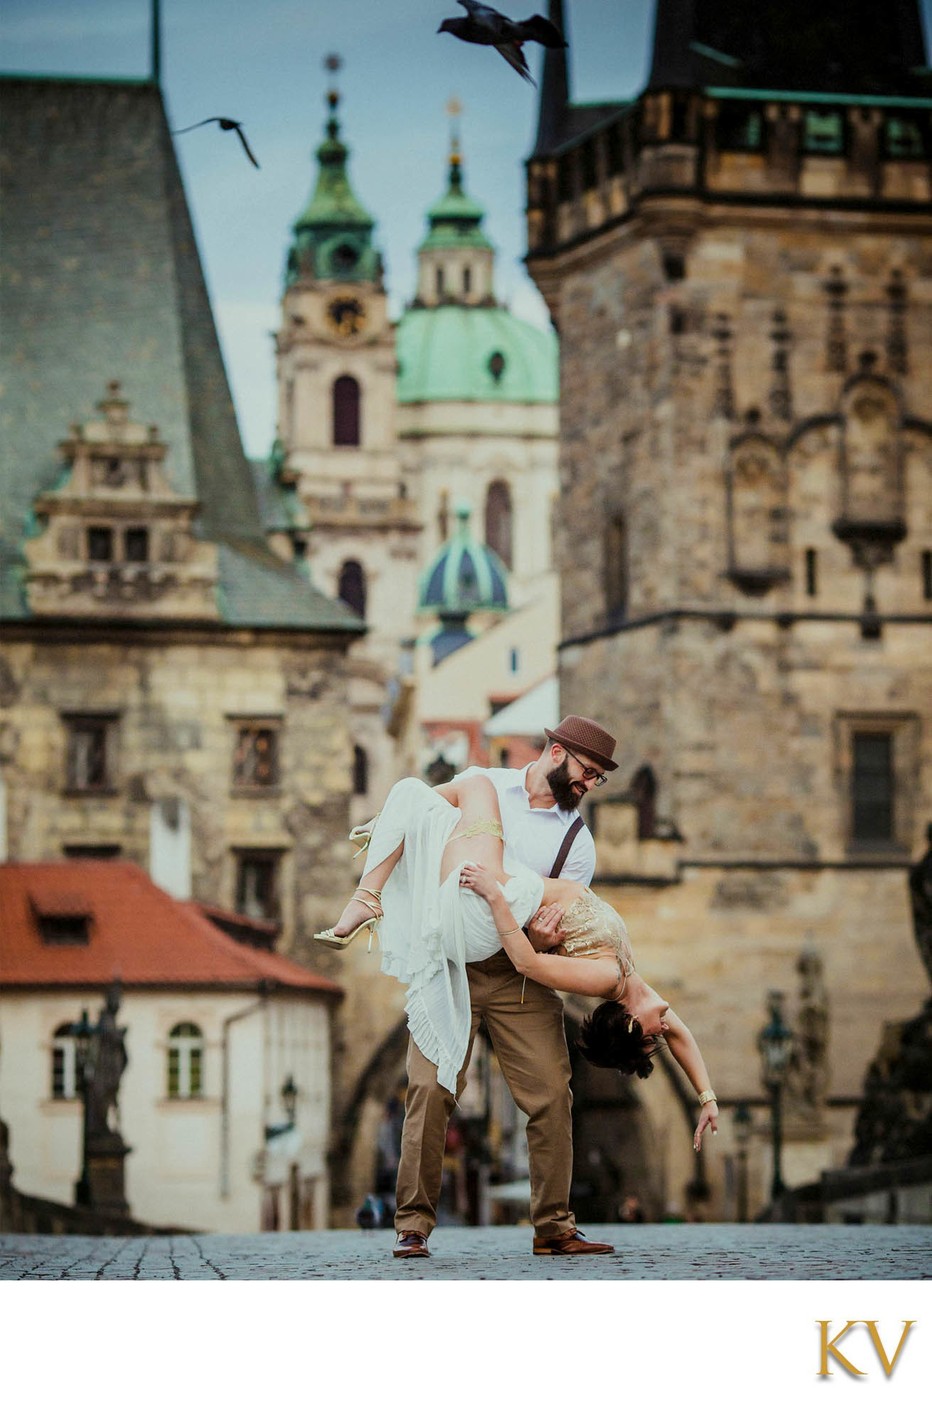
(565, 847)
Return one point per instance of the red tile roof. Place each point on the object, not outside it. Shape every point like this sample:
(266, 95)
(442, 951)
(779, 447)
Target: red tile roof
(137, 932)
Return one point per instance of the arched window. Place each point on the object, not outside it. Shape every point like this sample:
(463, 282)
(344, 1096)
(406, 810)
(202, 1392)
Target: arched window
(64, 1065)
(498, 520)
(185, 1062)
(346, 412)
(360, 770)
(615, 570)
(352, 586)
(644, 791)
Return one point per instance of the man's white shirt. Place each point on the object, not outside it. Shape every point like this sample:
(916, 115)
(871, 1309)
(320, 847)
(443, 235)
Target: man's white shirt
(533, 836)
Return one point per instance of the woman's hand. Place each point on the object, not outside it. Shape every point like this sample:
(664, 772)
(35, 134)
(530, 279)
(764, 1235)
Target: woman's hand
(480, 881)
(708, 1117)
(544, 930)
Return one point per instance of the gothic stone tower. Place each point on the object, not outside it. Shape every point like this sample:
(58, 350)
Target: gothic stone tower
(739, 264)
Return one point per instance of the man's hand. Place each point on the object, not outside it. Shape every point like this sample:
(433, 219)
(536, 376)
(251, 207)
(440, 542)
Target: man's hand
(544, 931)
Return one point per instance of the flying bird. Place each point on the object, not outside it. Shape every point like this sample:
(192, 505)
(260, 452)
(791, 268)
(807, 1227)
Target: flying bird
(226, 124)
(483, 25)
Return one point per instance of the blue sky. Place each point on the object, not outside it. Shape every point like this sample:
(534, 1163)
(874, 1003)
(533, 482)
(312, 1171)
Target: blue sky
(263, 65)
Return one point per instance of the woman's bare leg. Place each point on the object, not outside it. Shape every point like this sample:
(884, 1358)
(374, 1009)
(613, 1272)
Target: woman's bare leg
(374, 879)
(478, 803)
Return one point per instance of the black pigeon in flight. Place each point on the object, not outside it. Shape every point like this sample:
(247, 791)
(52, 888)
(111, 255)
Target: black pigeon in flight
(226, 124)
(483, 25)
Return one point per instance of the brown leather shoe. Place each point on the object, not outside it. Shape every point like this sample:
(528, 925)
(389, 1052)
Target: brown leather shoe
(411, 1245)
(571, 1244)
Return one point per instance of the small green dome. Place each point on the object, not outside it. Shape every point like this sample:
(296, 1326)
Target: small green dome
(465, 576)
(455, 352)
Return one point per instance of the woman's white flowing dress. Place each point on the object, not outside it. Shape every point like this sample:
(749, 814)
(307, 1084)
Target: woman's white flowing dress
(430, 929)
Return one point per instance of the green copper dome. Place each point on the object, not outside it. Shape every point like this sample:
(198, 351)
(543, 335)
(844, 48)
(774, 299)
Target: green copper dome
(333, 235)
(465, 575)
(473, 353)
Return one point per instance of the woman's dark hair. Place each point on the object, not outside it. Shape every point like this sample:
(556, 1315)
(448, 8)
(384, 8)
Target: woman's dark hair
(611, 1037)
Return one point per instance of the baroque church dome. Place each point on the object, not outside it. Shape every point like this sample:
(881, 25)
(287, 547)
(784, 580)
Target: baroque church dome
(465, 576)
(455, 342)
(455, 352)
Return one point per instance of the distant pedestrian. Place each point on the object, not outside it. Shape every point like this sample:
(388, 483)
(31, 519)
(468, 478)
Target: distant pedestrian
(371, 1212)
(631, 1210)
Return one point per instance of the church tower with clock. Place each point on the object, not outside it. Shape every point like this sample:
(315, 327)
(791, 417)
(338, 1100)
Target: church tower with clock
(336, 462)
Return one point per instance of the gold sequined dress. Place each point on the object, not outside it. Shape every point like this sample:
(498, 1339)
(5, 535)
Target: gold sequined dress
(594, 929)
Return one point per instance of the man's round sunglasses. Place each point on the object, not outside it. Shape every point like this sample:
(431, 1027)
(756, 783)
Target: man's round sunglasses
(591, 776)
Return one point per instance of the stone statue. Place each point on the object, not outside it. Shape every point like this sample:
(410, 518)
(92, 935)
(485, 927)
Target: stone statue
(895, 1118)
(920, 893)
(808, 1074)
(107, 1059)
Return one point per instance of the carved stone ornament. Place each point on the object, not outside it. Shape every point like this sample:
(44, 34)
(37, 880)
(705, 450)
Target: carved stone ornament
(116, 539)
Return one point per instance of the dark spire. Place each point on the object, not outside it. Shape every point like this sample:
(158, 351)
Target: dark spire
(156, 43)
(673, 65)
(554, 89)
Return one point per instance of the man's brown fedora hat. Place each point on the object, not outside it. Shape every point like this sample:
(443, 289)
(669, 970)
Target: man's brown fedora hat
(586, 736)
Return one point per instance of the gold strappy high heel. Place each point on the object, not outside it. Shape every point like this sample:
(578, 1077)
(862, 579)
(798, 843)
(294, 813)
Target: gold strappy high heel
(362, 834)
(371, 923)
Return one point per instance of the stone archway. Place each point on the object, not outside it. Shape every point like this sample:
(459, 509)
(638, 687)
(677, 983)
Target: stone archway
(611, 1139)
(621, 1132)
(356, 1132)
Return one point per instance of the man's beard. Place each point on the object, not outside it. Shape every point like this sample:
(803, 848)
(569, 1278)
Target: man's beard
(561, 787)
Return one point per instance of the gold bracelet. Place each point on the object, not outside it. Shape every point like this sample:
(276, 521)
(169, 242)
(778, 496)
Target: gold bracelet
(510, 932)
(708, 1096)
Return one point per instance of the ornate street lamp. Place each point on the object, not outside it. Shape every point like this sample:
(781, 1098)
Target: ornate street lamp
(775, 1044)
(741, 1124)
(289, 1094)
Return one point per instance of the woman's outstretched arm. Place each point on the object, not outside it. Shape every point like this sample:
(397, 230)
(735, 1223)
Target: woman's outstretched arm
(688, 1056)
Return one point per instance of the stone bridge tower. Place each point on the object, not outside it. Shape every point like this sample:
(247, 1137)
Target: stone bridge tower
(739, 264)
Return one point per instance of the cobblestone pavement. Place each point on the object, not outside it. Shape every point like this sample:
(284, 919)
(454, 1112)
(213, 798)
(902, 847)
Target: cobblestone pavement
(652, 1252)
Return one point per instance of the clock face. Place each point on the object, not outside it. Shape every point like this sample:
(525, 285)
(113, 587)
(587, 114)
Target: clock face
(346, 315)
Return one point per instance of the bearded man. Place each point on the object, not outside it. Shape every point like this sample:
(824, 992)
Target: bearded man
(544, 831)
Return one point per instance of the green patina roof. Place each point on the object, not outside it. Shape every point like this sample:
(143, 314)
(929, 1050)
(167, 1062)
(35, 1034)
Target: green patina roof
(333, 235)
(455, 220)
(447, 353)
(465, 575)
(101, 280)
(819, 97)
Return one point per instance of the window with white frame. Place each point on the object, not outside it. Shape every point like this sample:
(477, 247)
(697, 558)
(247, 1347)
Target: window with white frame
(64, 1065)
(185, 1061)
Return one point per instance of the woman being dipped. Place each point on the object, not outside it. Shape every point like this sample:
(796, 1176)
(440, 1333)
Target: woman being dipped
(444, 893)
(634, 1021)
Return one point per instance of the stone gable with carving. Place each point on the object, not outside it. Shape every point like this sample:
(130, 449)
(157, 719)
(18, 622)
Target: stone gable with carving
(116, 540)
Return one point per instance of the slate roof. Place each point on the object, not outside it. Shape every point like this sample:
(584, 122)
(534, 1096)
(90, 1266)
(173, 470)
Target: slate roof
(136, 932)
(100, 279)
